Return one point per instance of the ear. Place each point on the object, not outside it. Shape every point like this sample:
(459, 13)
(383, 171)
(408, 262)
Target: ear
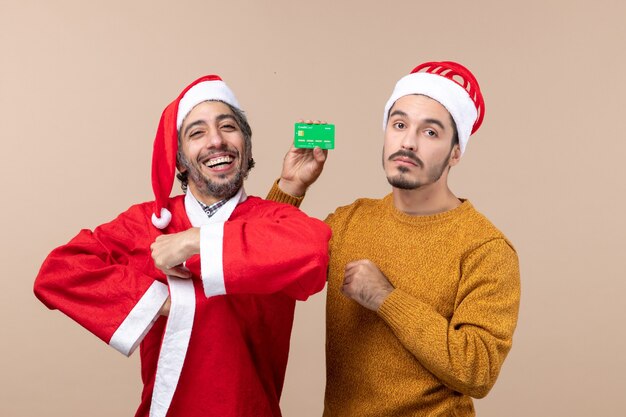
(455, 156)
(180, 167)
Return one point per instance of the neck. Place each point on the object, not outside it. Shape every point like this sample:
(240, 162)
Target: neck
(205, 198)
(426, 200)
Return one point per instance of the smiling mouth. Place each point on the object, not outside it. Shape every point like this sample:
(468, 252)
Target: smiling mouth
(219, 161)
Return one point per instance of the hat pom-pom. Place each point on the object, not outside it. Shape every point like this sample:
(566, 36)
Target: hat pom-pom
(162, 221)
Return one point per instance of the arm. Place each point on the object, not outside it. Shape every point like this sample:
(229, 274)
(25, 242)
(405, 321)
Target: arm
(100, 281)
(279, 248)
(466, 351)
(301, 168)
(276, 249)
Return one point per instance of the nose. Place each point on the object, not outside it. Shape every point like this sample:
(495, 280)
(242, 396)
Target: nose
(409, 141)
(215, 139)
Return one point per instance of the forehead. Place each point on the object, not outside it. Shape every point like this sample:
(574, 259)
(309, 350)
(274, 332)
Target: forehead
(206, 111)
(418, 107)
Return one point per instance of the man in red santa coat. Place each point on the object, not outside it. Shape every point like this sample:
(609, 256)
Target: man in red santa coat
(229, 293)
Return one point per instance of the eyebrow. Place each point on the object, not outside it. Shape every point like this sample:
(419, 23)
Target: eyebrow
(398, 113)
(429, 121)
(225, 116)
(435, 122)
(218, 119)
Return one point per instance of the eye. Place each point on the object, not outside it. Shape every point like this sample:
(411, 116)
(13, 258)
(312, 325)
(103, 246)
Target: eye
(430, 133)
(229, 127)
(194, 134)
(399, 125)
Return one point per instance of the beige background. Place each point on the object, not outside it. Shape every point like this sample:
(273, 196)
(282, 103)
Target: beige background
(82, 86)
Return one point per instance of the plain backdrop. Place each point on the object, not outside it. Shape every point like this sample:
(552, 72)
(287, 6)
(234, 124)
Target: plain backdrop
(82, 87)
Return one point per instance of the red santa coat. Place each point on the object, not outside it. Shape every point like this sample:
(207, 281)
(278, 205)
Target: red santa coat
(223, 349)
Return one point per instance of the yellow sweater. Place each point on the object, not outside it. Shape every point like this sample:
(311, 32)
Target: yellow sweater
(443, 333)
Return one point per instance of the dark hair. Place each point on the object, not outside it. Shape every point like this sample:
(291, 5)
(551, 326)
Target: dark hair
(455, 133)
(246, 130)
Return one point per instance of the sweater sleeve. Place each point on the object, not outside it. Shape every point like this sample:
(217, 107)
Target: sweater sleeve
(467, 351)
(277, 249)
(279, 196)
(98, 279)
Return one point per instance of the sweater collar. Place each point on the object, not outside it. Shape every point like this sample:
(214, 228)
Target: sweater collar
(388, 205)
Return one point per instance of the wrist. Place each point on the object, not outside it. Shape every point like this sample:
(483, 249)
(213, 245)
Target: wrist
(165, 308)
(382, 296)
(291, 187)
(193, 242)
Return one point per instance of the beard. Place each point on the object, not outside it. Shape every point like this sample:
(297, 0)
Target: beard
(206, 186)
(433, 174)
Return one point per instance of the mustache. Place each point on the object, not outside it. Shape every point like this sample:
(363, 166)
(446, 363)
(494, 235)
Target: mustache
(407, 154)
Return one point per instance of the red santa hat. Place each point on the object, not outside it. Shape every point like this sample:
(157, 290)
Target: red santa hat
(452, 85)
(209, 87)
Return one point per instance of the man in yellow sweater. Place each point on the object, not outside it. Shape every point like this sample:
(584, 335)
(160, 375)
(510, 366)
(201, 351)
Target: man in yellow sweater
(423, 291)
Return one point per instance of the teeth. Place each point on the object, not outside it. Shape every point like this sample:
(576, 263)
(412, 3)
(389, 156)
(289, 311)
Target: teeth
(219, 160)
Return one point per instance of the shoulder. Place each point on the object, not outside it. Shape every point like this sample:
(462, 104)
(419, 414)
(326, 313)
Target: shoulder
(140, 215)
(360, 208)
(176, 204)
(481, 229)
(361, 205)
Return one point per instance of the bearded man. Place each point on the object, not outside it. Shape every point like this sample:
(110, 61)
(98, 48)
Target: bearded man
(204, 283)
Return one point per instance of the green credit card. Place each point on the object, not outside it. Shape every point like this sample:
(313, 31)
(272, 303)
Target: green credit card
(314, 135)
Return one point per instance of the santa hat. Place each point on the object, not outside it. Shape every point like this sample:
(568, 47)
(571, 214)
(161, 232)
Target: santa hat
(209, 87)
(452, 85)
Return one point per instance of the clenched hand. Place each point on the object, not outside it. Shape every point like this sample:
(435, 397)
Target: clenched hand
(366, 284)
(170, 251)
